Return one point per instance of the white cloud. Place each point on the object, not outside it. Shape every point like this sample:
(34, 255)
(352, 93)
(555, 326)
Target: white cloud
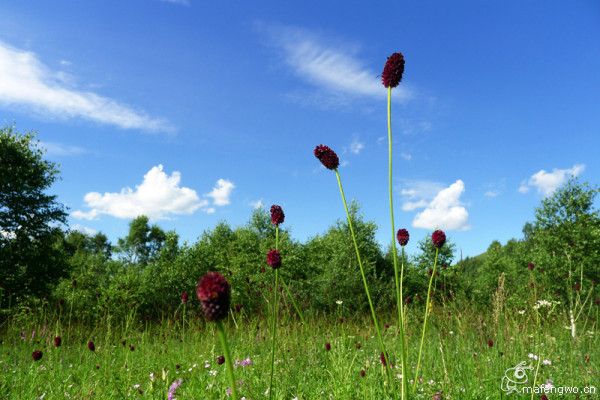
(58, 149)
(331, 67)
(523, 188)
(414, 205)
(491, 193)
(406, 156)
(356, 147)
(221, 192)
(27, 83)
(257, 204)
(418, 193)
(547, 182)
(158, 196)
(84, 229)
(445, 211)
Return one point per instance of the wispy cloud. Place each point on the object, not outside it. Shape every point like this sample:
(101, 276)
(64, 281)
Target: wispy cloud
(356, 146)
(62, 150)
(84, 229)
(546, 183)
(178, 2)
(25, 82)
(332, 67)
(406, 155)
(159, 196)
(257, 204)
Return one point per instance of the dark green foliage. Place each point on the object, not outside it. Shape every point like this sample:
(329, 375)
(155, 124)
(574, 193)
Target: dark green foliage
(30, 259)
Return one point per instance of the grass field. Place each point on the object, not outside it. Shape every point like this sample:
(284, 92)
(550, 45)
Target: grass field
(466, 355)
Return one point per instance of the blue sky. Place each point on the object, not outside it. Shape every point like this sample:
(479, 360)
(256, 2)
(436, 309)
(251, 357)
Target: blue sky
(194, 113)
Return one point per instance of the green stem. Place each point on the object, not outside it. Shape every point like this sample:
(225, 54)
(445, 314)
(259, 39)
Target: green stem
(535, 376)
(425, 321)
(399, 281)
(287, 290)
(274, 318)
(228, 359)
(364, 278)
(273, 330)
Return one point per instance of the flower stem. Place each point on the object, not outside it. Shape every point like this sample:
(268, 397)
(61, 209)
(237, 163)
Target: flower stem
(437, 250)
(287, 290)
(364, 278)
(399, 281)
(274, 318)
(228, 360)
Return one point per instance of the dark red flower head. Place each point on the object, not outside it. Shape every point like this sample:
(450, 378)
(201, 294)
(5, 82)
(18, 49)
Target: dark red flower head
(221, 360)
(393, 70)
(214, 294)
(274, 259)
(531, 266)
(37, 355)
(57, 341)
(382, 358)
(544, 397)
(277, 215)
(327, 346)
(438, 238)
(577, 287)
(362, 373)
(91, 346)
(185, 297)
(327, 157)
(402, 237)
(490, 343)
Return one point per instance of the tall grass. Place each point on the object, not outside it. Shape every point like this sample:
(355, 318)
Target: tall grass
(456, 359)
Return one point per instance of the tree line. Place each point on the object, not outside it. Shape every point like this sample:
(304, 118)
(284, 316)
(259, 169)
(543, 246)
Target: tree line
(44, 263)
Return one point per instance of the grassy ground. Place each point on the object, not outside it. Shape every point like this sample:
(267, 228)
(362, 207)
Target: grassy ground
(137, 360)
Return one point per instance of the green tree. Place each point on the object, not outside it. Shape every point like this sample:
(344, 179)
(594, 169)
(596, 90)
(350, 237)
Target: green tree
(143, 242)
(565, 237)
(30, 261)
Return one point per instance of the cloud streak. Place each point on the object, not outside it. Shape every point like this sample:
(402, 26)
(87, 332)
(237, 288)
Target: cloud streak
(327, 66)
(62, 150)
(25, 82)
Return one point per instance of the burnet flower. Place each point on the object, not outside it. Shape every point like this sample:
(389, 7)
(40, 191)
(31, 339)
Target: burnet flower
(277, 215)
(214, 294)
(274, 258)
(438, 238)
(327, 157)
(393, 70)
(402, 237)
